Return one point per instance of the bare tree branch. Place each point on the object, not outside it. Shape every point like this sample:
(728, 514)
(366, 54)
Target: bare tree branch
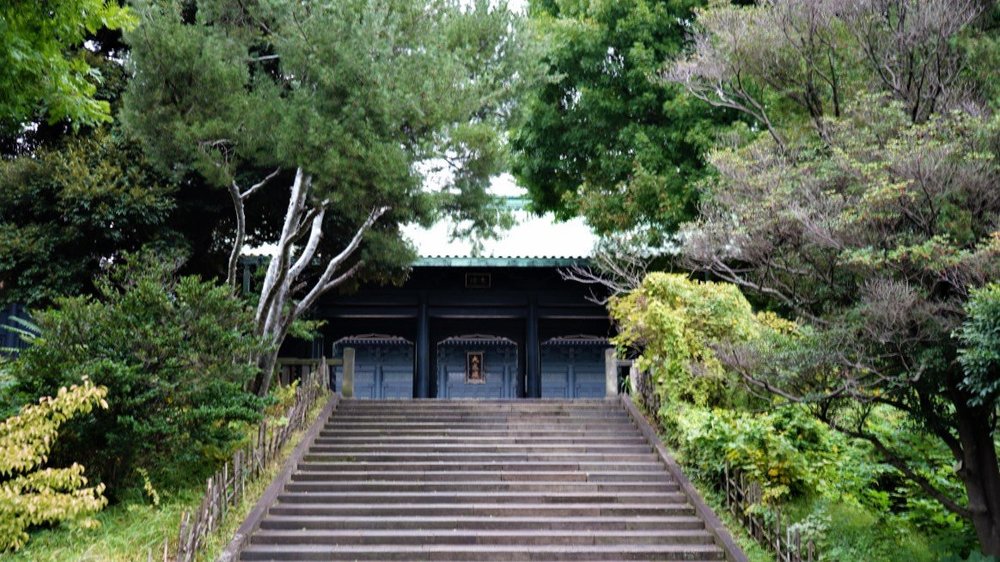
(253, 189)
(320, 286)
(241, 231)
(278, 267)
(241, 223)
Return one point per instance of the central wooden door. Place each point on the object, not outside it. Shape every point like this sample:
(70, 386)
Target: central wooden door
(478, 366)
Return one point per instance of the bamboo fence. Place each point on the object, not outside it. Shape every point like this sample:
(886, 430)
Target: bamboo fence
(225, 488)
(743, 497)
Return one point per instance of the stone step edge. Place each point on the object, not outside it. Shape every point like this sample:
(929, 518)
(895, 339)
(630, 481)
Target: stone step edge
(665, 519)
(484, 532)
(231, 552)
(723, 539)
(536, 483)
(500, 548)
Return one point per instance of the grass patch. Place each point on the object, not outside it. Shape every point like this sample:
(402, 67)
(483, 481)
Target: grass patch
(126, 533)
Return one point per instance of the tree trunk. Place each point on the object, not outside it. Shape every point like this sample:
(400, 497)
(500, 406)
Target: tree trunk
(267, 363)
(277, 309)
(980, 474)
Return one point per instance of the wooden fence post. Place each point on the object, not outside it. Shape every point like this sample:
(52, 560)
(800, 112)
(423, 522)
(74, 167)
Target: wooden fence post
(347, 386)
(776, 534)
(324, 373)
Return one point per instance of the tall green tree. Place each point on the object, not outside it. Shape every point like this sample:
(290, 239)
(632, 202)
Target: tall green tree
(44, 70)
(344, 105)
(600, 136)
(74, 198)
(66, 209)
(867, 207)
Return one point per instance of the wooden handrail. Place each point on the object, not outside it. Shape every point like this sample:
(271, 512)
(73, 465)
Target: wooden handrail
(297, 361)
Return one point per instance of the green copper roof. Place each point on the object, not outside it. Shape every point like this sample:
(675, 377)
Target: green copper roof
(466, 261)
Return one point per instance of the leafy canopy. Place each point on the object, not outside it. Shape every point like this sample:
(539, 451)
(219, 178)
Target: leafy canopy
(979, 337)
(354, 93)
(43, 69)
(600, 136)
(865, 206)
(66, 208)
(715, 421)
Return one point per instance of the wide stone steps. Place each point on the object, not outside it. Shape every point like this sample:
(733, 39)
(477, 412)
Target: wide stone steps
(480, 497)
(482, 509)
(484, 553)
(458, 440)
(473, 458)
(467, 447)
(486, 476)
(675, 522)
(395, 487)
(595, 427)
(331, 464)
(468, 434)
(479, 480)
(482, 536)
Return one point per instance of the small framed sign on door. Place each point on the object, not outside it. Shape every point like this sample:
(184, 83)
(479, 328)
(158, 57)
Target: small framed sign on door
(475, 369)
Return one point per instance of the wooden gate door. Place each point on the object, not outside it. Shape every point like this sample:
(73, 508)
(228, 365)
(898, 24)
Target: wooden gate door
(477, 366)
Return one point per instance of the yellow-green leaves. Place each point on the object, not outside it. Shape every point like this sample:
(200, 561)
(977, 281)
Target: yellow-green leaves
(676, 320)
(31, 495)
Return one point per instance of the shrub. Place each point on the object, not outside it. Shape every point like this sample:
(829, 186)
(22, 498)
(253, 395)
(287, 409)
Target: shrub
(676, 321)
(175, 354)
(31, 495)
(845, 531)
(980, 339)
(836, 486)
(784, 449)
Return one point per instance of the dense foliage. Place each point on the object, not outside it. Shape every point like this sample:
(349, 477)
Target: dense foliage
(979, 338)
(44, 71)
(31, 495)
(174, 354)
(675, 322)
(839, 490)
(65, 209)
(348, 104)
(599, 137)
(866, 206)
(72, 197)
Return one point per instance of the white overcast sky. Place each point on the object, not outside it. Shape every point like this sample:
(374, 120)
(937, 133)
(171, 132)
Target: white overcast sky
(519, 6)
(532, 237)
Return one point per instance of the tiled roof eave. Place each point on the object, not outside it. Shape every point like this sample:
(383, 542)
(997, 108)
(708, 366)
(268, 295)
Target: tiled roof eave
(469, 261)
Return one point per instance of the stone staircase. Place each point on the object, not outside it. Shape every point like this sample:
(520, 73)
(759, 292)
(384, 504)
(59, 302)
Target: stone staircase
(475, 480)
